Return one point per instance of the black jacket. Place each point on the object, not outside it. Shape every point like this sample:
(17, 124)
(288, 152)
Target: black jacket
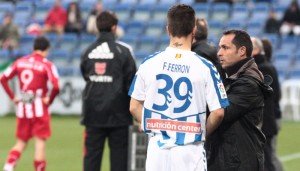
(237, 145)
(108, 68)
(269, 127)
(209, 52)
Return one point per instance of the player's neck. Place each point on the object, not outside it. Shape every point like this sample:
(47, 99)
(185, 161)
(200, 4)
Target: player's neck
(39, 52)
(183, 43)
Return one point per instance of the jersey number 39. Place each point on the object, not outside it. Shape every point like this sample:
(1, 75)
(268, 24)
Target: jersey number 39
(175, 87)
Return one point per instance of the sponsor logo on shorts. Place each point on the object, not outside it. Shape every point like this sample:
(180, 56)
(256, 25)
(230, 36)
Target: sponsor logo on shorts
(171, 125)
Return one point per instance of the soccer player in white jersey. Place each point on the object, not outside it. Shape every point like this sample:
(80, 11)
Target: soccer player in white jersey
(169, 95)
(33, 118)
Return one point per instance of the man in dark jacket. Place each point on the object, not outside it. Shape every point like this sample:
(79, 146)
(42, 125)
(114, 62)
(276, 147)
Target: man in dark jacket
(205, 48)
(108, 68)
(269, 127)
(237, 145)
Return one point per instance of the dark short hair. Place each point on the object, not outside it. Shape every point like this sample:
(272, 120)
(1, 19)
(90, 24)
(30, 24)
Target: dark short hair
(268, 48)
(105, 20)
(240, 39)
(181, 20)
(41, 43)
(201, 32)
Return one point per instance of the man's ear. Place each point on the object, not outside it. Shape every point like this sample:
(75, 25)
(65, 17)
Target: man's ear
(114, 28)
(242, 51)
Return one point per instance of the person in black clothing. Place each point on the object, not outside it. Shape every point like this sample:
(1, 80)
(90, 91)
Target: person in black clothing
(272, 24)
(277, 96)
(205, 48)
(238, 143)
(108, 68)
(269, 127)
(291, 20)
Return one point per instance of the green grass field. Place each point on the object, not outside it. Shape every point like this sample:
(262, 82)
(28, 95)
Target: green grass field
(64, 148)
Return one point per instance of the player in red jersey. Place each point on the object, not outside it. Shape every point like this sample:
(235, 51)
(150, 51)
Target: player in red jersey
(33, 118)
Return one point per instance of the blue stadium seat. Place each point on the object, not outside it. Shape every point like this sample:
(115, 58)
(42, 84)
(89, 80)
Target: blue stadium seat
(280, 10)
(188, 2)
(142, 12)
(215, 28)
(26, 42)
(202, 10)
(220, 11)
(123, 11)
(254, 27)
(160, 12)
(131, 40)
(75, 58)
(234, 24)
(60, 57)
(85, 41)
(289, 43)
(163, 43)
(154, 28)
(41, 11)
(129, 2)
(53, 38)
(260, 11)
(85, 8)
(135, 27)
(167, 3)
(294, 73)
(148, 2)
(139, 56)
(68, 41)
(5, 56)
(147, 44)
(65, 70)
(240, 12)
(7, 7)
(282, 59)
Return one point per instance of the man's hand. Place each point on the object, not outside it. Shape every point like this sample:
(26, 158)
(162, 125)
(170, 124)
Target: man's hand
(16, 100)
(46, 100)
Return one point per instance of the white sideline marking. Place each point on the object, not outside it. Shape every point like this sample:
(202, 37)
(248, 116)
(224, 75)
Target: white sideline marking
(289, 157)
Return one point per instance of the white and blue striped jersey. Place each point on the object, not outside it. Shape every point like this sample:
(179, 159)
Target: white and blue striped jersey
(176, 85)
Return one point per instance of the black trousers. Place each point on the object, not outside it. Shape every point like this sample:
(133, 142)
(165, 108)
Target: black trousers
(94, 147)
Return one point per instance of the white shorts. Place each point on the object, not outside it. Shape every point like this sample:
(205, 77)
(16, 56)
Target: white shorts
(190, 157)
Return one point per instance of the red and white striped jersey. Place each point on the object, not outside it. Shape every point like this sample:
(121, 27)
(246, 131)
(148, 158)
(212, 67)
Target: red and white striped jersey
(33, 72)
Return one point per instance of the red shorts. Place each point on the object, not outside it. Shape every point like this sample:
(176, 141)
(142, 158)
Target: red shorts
(35, 127)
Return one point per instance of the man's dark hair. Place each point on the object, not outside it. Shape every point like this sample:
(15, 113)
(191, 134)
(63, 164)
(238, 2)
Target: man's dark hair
(268, 48)
(105, 20)
(201, 32)
(181, 20)
(240, 39)
(41, 43)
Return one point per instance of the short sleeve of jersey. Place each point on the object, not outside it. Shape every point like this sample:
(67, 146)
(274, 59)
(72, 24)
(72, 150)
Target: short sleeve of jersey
(215, 91)
(137, 88)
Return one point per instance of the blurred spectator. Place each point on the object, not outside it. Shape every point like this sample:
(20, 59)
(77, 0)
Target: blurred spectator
(34, 29)
(200, 1)
(277, 95)
(91, 21)
(224, 1)
(9, 33)
(205, 48)
(56, 19)
(272, 24)
(74, 21)
(291, 20)
(269, 127)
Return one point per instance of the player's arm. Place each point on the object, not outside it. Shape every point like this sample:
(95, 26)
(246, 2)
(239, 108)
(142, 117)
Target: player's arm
(54, 79)
(214, 120)
(136, 109)
(8, 74)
